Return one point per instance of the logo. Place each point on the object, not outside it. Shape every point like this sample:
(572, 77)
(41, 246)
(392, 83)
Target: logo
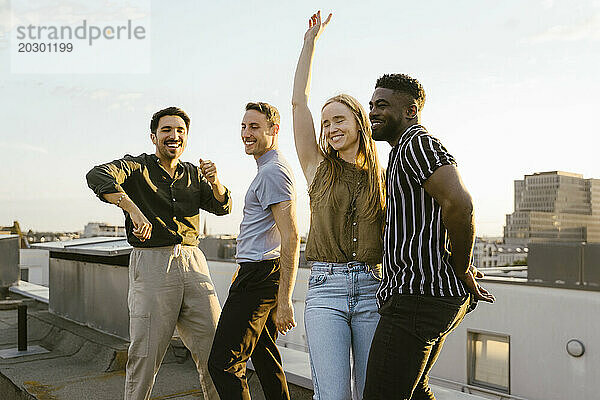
(92, 36)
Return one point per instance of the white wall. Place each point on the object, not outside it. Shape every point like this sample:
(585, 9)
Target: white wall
(36, 261)
(539, 321)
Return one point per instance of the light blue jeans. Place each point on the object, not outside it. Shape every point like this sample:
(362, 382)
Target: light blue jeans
(340, 319)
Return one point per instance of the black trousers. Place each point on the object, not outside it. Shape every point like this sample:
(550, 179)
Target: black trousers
(247, 329)
(406, 344)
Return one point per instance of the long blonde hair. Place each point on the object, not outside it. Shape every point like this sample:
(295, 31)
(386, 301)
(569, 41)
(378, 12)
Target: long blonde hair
(366, 159)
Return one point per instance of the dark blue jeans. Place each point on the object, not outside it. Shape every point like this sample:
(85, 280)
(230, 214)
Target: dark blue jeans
(407, 342)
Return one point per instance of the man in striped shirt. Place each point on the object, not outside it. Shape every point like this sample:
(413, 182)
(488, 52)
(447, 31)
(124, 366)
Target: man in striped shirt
(428, 281)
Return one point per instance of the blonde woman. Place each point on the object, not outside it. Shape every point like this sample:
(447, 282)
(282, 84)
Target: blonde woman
(347, 197)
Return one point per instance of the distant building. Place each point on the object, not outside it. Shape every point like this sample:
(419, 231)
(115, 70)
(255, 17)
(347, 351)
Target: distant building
(15, 229)
(42, 237)
(492, 252)
(94, 229)
(220, 247)
(223, 247)
(36, 237)
(554, 206)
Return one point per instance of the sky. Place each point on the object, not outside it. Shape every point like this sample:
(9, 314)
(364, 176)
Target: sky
(512, 89)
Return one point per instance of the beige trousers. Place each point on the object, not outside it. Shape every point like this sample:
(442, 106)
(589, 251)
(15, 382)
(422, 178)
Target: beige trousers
(169, 287)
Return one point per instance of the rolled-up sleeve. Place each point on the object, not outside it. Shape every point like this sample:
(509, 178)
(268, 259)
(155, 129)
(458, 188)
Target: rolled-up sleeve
(108, 178)
(208, 202)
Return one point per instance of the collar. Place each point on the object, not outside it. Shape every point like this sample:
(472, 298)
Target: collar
(178, 169)
(410, 131)
(267, 157)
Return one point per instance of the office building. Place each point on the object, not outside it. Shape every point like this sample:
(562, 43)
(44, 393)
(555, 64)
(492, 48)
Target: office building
(554, 206)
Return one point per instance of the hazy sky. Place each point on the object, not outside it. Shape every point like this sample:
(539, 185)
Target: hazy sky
(512, 88)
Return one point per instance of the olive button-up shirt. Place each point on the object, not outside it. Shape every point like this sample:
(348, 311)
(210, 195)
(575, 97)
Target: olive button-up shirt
(171, 204)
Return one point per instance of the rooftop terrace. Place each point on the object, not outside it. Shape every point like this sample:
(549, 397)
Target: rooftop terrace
(83, 363)
(85, 359)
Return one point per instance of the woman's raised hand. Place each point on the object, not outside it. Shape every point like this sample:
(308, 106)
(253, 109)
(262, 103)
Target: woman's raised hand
(315, 26)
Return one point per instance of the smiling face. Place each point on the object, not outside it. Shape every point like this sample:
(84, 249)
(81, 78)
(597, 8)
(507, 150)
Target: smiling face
(391, 113)
(170, 138)
(258, 135)
(339, 128)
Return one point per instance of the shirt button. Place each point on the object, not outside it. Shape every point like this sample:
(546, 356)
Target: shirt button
(354, 239)
(353, 254)
(354, 223)
(173, 198)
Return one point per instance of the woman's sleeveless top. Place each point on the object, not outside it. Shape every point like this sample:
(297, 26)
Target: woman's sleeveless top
(340, 231)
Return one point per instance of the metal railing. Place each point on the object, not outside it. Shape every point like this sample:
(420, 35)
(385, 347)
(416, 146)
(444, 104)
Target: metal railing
(465, 388)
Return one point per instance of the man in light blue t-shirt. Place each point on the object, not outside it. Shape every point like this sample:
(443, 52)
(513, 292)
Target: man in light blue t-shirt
(259, 304)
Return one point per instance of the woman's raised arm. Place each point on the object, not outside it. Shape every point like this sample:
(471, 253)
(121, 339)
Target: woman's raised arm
(304, 128)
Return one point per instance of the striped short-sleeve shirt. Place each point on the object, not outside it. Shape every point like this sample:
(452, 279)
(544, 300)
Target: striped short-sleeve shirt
(416, 249)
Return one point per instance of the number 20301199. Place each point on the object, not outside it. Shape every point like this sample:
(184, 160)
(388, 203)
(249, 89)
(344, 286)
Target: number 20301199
(45, 47)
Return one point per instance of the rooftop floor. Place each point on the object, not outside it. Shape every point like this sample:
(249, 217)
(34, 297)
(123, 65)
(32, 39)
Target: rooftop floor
(83, 363)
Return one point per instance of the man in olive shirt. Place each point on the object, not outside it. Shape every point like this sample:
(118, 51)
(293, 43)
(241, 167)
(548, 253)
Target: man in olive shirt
(169, 281)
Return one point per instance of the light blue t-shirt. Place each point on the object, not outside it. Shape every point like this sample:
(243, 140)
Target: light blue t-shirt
(259, 238)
